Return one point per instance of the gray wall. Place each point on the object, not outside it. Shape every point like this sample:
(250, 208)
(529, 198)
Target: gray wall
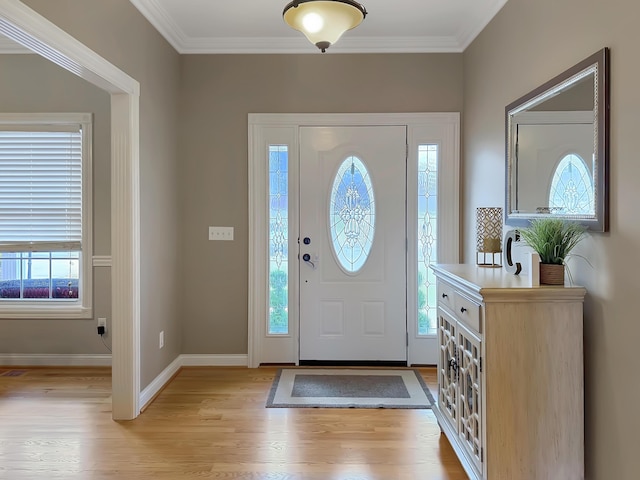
(118, 32)
(29, 83)
(217, 93)
(524, 46)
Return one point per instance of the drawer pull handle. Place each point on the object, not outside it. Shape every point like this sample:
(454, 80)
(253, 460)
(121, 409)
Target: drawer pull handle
(453, 365)
(444, 295)
(462, 310)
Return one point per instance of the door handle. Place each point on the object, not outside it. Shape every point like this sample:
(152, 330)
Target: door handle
(307, 258)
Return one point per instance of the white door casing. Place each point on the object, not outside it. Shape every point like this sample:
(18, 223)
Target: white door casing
(442, 129)
(357, 315)
(30, 29)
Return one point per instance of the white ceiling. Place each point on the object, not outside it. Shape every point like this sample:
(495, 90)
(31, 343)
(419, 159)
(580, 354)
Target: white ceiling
(256, 26)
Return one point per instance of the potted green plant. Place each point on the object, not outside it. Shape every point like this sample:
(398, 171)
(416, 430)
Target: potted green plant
(552, 239)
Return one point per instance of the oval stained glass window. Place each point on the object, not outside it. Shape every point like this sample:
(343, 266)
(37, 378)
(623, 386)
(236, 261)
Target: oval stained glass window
(352, 214)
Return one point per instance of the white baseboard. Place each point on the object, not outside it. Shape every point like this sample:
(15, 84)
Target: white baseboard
(89, 360)
(159, 382)
(191, 360)
(188, 360)
(54, 360)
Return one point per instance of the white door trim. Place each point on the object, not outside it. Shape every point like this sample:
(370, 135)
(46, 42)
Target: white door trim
(30, 29)
(284, 128)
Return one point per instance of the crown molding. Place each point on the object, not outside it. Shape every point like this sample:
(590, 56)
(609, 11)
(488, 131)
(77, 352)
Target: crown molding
(183, 44)
(10, 47)
(284, 45)
(162, 21)
(165, 25)
(473, 29)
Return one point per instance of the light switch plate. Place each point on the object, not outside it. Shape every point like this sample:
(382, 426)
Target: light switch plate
(220, 233)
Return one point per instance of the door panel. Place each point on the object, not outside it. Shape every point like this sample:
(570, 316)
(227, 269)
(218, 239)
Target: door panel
(350, 309)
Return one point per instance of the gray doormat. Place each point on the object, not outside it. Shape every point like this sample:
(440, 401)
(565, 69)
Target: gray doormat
(349, 388)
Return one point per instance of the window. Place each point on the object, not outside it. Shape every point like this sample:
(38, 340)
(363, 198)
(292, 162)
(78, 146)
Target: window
(45, 221)
(278, 240)
(572, 187)
(427, 237)
(352, 214)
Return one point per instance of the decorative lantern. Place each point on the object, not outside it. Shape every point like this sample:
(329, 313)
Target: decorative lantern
(489, 236)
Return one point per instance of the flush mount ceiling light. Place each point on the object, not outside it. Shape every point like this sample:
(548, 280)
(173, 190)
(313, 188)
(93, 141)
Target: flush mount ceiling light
(323, 21)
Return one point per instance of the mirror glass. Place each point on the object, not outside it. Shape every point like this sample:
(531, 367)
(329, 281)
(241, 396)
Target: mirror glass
(557, 148)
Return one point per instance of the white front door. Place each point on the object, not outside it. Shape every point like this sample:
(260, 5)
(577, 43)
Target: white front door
(353, 244)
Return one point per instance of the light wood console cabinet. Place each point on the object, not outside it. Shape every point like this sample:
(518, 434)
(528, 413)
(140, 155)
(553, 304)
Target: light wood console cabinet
(510, 374)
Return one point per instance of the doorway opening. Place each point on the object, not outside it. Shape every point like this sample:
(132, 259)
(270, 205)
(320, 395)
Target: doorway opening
(277, 218)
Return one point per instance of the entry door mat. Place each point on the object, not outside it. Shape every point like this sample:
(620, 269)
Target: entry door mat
(349, 388)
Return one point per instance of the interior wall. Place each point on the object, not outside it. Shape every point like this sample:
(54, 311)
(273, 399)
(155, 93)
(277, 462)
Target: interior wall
(31, 84)
(120, 34)
(217, 94)
(526, 44)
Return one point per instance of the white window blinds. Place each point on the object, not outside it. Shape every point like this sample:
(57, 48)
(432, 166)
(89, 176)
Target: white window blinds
(40, 188)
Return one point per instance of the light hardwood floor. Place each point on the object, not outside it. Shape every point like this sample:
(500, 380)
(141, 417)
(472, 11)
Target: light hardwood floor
(55, 423)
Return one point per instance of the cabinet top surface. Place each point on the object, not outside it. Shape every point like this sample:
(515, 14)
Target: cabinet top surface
(484, 281)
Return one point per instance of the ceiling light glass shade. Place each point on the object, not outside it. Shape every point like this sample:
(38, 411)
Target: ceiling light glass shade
(323, 21)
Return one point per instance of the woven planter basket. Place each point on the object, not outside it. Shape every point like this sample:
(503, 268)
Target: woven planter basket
(551, 274)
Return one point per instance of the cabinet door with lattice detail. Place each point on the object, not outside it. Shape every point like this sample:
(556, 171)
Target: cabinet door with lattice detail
(470, 394)
(448, 367)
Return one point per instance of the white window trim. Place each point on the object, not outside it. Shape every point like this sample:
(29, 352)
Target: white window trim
(83, 308)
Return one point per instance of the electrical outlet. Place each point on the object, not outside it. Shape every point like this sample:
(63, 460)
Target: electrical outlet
(161, 339)
(102, 326)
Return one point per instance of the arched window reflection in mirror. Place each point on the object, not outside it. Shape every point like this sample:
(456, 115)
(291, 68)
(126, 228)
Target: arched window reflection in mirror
(571, 189)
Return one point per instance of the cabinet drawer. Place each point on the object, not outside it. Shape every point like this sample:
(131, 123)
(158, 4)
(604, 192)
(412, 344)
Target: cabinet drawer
(467, 311)
(445, 294)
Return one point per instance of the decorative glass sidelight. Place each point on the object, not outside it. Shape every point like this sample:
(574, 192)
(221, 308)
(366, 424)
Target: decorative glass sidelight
(352, 214)
(278, 240)
(572, 188)
(427, 237)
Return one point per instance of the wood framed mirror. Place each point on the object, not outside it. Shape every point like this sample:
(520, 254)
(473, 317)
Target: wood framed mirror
(557, 148)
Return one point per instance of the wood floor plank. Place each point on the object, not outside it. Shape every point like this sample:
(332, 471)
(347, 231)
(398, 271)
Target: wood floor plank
(55, 423)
